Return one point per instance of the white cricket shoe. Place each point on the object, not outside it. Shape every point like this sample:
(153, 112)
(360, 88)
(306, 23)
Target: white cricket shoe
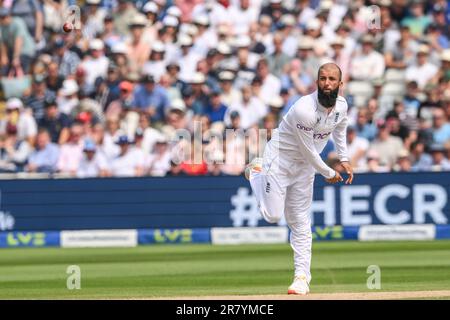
(299, 286)
(254, 166)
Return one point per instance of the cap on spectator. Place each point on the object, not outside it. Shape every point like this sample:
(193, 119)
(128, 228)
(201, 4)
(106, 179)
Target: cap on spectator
(325, 5)
(173, 64)
(338, 41)
(384, 3)
(69, 87)
(178, 104)
(372, 155)
(80, 72)
(242, 41)
(126, 85)
(288, 20)
(275, 1)
(147, 78)
(197, 78)
(306, 43)
(201, 20)
(39, 78)
(122, 140)
(161, 139)
(138, 20)
(216, 91)
(59, 43)
(119, 48)
(403, 153)
(226, 76)
(189, 29)
(174, 11)
(108, 18)
(187, 92)
(437, 147)
(96, 44)
(313, 24)
(158, 46)
(150, 7)
(14, 103)
(223, 29)
(84, 117)
(234, 114)
(445, 55)
(351, 129)
(93, 2)
(170, 21)
(4, 11)
(437, 8)
(211, 53)
(367, 38)
(89, 145)
(276, 102)
(223, 48)
(50, 103)
(423, 49)
(185, 40)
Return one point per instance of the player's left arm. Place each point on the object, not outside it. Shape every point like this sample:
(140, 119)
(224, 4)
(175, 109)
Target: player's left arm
(340, 141)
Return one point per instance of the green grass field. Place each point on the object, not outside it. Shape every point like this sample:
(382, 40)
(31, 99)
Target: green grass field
(197, 270)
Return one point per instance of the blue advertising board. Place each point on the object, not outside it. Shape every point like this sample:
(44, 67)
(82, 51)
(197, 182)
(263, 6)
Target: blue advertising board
(205, 202)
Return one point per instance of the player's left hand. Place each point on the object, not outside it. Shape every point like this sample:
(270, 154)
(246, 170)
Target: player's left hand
(348, 168)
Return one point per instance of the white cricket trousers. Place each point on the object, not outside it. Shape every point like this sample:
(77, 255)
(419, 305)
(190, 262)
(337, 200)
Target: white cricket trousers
(285, 186)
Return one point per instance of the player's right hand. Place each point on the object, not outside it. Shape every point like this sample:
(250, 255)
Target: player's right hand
(337, 178)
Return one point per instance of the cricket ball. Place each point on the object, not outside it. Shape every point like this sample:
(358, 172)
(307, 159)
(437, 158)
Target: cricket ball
(68, 27)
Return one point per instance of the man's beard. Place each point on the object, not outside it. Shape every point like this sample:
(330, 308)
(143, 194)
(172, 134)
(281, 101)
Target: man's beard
(328, 100)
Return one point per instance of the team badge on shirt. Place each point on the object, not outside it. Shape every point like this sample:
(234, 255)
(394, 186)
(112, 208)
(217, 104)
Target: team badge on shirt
(336, 117)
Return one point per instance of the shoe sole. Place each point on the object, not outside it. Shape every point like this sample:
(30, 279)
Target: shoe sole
(297, 293)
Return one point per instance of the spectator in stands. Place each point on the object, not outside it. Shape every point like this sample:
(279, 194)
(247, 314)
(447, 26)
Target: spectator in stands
(367, 64)
(251, 110)
(440, 162)
(126, 164)
(422, 71)
(363, 127)
(93, 163)
(125, 100)
(441, 127)
(160, 159)
(357, 149)
(71, 152)
(271, 85)
(39, 94)
(151, 98)
(403, 161)
(53, 80)
(295, 79)
(216, 110)
(387, 146)
(17, 47)
(373, 162)
(230, 95)
(21, 118)
(138, 47)
(417, 21)
(401, 54)
(278, 59)
(421, 161)
(45, 157)
(123, 15)
(67, 60)
(55, 122)
(96, 63)
(14, 153)
(194, 164)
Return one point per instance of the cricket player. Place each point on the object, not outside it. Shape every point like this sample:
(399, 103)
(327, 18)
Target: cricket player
(282, 180)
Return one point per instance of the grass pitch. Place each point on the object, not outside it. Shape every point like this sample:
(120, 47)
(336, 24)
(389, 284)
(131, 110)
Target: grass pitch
(207, 270)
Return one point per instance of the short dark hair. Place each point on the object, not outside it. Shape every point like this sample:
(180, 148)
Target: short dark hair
(328, 64)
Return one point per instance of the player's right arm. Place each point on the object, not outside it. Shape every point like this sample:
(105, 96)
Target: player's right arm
(304, 122)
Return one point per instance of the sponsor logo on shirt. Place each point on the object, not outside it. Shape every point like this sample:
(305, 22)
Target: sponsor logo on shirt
(303, 127)
(321, 135)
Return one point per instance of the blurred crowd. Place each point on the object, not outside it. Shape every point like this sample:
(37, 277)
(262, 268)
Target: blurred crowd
(110, 94)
